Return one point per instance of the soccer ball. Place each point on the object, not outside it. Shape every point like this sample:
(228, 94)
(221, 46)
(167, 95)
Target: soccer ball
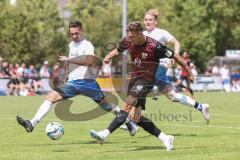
(54, 130)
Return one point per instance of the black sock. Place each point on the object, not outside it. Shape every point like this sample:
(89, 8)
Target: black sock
(118, 121)
(129, 125)
(196, 105)
(149, 126)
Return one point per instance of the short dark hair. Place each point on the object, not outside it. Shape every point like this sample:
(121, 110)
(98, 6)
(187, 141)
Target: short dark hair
(75, 24)
(135, 26)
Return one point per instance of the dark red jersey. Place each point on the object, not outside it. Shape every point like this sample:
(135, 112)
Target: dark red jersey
(144, 58)
(188, 62)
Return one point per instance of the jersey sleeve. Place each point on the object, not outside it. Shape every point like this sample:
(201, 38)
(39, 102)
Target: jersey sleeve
(163, 52)
(167, 36)
(122, 45)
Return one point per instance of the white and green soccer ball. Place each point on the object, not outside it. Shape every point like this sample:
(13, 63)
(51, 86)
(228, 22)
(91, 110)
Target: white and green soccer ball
(54, 130)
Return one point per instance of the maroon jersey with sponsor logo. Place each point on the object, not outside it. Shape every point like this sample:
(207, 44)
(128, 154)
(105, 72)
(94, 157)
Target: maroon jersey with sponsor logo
(144, 58)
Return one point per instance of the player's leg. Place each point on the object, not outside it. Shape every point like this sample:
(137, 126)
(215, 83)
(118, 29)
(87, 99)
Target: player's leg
(130, 126)
(159, 76)
(180, 85)
(189, 87)
(91, 89)
(186, 100)
(150, 127)
(120, 118)
(138, 88)
(58, 94)
(45, 107)
(110, 107)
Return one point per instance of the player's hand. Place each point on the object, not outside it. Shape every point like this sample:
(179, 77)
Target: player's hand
(135, 114)
(63, 59)
(65, 79)
(107, 60)
(127, 108)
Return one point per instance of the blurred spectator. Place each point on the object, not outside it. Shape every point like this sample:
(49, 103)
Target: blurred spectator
(208, 71)
(11, 69)
(44, 70)
(118, 67)
(23, 88)
(184, 77)
(235, 86)
(5, 70)
(225, 75)
(23, 73)
(15, 69)
(17, 82)
(106, 70)
(215, 71)
(32, 72)
(36, 86)
(13, 86)
(194, 72)
(235, 78)
(1, 64)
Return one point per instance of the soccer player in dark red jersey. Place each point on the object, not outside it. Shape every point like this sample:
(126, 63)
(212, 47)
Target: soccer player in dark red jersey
(145, 53)
(184, 75)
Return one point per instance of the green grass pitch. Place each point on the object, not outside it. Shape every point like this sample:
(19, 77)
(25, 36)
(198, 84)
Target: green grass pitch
(194, 140)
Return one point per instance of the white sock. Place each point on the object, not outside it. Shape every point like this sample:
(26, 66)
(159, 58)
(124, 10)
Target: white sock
(155, 90)
(183, 99)
(42, 111)
(162, 136)
(127, 120)
(116, 110)
(106, 132)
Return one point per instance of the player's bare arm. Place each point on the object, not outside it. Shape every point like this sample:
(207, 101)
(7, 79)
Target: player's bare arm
(86, 60)
(66, 70)
(176, 45)
(110, 55)
(135, 114)
(181, 62)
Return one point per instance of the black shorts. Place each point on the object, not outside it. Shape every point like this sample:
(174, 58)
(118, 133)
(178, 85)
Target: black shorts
(184, 78)
(140, 88)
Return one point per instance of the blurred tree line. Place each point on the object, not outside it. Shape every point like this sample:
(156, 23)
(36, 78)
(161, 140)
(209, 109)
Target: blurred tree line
(34, 30)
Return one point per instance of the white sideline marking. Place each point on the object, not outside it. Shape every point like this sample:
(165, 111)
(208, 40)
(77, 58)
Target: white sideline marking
(204, 126)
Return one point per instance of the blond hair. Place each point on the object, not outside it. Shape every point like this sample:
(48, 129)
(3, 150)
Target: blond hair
(153, 12)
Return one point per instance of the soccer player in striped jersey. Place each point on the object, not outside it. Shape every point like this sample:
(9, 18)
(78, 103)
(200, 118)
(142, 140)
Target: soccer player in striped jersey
(145, 53)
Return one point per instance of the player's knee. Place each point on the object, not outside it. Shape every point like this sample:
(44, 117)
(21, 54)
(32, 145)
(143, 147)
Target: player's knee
(53, 97)
(170, 95)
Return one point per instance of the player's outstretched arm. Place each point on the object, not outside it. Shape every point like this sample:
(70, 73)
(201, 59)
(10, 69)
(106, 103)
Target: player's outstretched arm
(110, 55)
(85, 60)
(181, 62)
